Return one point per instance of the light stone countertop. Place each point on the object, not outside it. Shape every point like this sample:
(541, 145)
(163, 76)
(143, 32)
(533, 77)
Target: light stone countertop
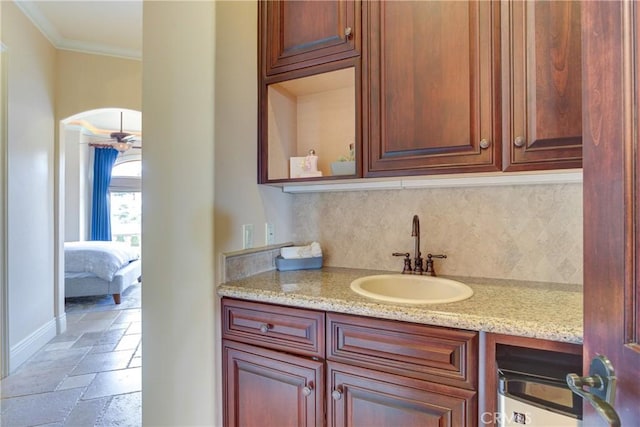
(531, 309)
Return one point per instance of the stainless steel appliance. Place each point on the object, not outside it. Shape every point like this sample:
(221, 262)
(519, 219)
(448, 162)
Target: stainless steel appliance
(534, 401)
(532, 388)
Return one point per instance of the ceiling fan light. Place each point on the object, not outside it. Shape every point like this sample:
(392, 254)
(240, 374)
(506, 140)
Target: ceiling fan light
(121, 146)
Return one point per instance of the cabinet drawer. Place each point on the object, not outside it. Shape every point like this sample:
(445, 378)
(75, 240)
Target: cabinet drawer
(281, 328)
(431, 353)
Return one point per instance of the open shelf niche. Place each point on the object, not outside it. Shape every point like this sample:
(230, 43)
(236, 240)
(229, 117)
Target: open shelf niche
(311, 113)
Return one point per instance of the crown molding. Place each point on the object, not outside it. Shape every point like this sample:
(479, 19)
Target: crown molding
(33, 13)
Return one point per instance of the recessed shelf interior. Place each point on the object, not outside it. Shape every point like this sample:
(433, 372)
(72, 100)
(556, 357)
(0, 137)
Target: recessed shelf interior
(311, 113)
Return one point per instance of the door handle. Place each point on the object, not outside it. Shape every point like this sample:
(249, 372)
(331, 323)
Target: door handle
(602, 384)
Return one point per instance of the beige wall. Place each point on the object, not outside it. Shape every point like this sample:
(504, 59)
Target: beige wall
(178, 298)
(29, 180)
(181, 174)
(315, 113)
(239, 199)
(282, 130)
(87, 82)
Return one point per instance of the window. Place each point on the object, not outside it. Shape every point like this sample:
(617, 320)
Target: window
(126, 203)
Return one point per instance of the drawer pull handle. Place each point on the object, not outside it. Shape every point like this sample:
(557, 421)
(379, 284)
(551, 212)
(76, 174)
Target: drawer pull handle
(264, 328)
(306, 390)
(519, 141)
(485, 143)
(336, 394)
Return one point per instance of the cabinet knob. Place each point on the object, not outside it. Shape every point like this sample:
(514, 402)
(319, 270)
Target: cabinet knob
(336, 394)
(264, 328)
(519, 141)
(306, 390)
(347, 33)
(485, 143)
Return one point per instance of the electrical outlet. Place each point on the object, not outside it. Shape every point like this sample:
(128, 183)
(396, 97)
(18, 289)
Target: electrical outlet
(247, 236)
(269, 234)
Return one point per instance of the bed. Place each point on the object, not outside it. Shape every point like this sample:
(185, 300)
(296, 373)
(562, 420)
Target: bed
(100, 268)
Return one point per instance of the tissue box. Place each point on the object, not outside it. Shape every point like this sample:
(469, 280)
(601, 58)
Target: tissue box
(343, 168)
(283, 264)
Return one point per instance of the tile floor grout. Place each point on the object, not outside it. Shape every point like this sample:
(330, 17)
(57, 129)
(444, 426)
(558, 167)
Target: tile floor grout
(88, 376)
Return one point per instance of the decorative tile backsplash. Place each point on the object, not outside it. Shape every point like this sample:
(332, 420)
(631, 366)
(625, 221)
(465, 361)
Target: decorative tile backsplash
(521, 232)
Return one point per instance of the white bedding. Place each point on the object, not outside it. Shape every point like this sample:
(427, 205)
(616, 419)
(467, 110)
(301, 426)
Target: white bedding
(101, 258)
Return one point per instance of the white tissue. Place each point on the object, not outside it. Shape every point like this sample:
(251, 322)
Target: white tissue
(310, 251)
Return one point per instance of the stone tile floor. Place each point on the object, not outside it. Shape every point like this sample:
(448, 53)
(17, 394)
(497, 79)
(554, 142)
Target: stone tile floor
(88, 376)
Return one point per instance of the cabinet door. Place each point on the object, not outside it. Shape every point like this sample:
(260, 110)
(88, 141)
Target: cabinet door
(363, 397)
(429, 87)
(298, 34)
(266, 388)
(542, 85)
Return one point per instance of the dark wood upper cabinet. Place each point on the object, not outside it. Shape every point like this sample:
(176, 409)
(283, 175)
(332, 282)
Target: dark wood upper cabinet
(542, 84)
(438, 86)
(299, 34)
(429, 90)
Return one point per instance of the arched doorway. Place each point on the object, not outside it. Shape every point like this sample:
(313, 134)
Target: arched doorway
(79, 134)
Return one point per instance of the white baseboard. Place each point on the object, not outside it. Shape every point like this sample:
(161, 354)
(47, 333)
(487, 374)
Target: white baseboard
(26, 348)
(61, 323)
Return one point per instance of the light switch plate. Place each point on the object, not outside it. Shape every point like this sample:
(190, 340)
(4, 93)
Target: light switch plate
(269, 233)
(247, 236)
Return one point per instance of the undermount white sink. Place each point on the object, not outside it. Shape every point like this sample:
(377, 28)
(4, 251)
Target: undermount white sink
(406, 288)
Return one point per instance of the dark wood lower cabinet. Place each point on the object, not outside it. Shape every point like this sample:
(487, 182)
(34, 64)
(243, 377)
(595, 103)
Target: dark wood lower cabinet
(266, 388)
(364, 397)
(374, 372)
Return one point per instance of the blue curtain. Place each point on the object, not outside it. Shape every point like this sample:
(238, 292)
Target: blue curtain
(103, 161)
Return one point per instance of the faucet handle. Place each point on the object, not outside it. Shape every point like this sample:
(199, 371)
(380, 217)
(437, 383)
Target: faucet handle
(407, 261)
(417, 268)
(430, 270)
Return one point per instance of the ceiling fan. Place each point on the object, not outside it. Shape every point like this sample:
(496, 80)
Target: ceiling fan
(121, 141)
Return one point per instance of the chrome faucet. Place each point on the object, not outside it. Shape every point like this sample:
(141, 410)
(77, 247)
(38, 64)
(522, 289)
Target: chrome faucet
(415, 233)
